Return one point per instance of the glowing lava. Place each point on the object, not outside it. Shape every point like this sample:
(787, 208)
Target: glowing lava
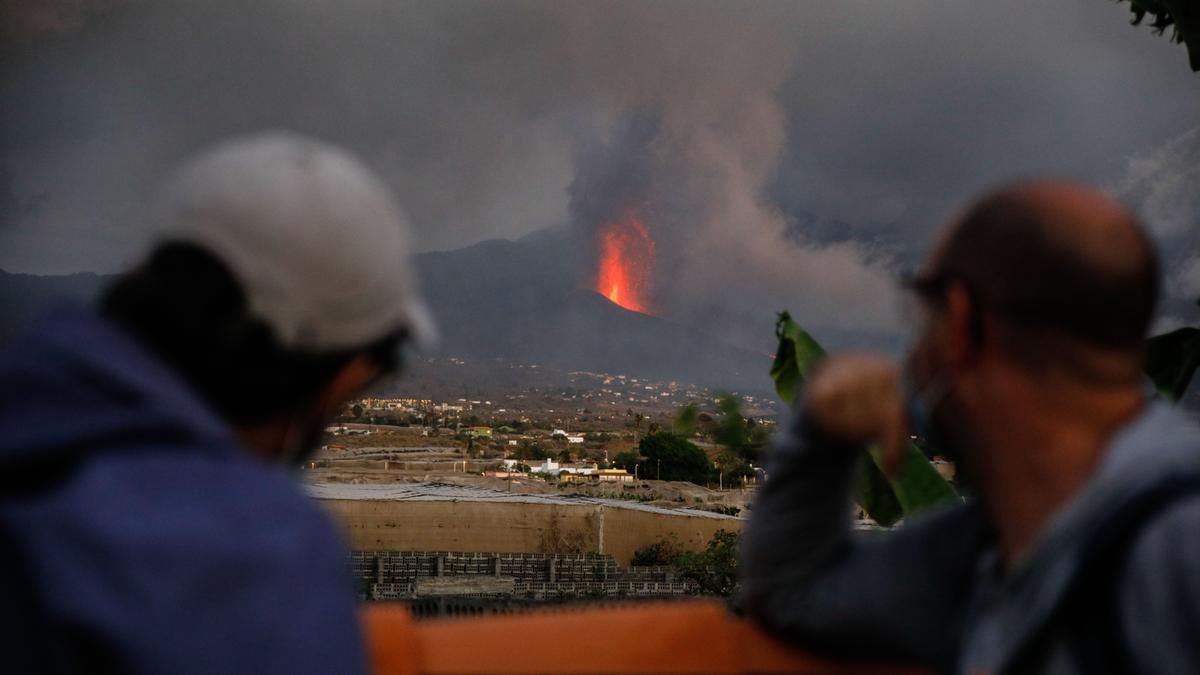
(626, 263)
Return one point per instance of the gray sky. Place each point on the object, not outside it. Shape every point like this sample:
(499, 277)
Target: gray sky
(855, 127)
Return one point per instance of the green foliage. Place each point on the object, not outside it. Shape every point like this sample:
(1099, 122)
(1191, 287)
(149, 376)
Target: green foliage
(670, 457)
(732, 467)
(527, 450)
(1171, 361)
(918, 485)
(740, 435)
(686, 420)
(724, 509)
(796, 356)
(1181, 15)
(637, 497)
(638, 420)
(875, 495)
(742, 438)
(663, 552)
(731, 429)
(712, 571)
(627, 460)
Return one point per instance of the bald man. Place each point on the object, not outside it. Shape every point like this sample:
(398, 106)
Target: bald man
(1079, 549)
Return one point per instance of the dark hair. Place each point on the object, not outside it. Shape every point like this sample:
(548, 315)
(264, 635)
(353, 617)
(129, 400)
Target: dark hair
(186, 306)
(1015, 264)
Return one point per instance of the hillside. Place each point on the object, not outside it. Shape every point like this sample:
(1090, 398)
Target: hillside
(502, 299)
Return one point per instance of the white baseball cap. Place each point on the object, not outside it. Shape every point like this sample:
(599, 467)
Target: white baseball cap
(316, 240)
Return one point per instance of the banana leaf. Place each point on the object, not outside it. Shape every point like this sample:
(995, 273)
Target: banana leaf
(1171, 361)
(798, 353)
(1183, 16)
(918, 485)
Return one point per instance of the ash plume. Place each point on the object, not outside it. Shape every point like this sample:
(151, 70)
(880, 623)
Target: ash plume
(782, 154)
(25, 21)
(1162, 185)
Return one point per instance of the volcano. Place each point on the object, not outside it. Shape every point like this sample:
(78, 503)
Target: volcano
(523, 300)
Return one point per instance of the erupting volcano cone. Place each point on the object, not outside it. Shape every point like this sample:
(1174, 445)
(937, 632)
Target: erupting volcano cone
(626, 263)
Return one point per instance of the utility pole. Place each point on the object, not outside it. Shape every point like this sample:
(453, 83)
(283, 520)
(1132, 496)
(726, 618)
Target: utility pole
(659, 474)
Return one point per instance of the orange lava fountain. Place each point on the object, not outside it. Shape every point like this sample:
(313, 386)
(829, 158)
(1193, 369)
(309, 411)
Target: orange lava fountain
(626, 262)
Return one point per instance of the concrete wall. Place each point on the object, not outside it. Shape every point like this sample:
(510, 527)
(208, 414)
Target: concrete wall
(404, 525)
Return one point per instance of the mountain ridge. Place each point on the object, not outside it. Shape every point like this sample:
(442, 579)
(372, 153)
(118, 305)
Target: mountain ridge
(522, 300)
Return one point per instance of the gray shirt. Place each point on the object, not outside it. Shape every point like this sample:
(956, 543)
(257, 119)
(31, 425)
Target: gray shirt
(931, 590)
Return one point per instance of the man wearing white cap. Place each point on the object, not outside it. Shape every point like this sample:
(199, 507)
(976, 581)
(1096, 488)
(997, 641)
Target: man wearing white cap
(147, 520)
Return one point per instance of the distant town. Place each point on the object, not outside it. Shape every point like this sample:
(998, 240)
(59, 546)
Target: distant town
(568, 426)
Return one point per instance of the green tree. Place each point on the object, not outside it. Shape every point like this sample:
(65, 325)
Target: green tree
(713, 570)
(529, 450)
(687, 420)
(742, 438)
(1182, 16)
(670, 457)
(638, 419)
(665, 551)
(732, 467)
(627, 460)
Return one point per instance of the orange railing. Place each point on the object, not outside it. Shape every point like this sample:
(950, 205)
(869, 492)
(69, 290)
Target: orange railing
(676, 637)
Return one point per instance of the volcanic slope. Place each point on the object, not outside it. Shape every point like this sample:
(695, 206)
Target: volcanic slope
(527, 300)
(522, 300)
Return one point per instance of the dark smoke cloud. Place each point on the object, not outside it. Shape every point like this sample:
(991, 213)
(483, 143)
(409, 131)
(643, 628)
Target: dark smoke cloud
(26, 21)
(10, 204)
(791, 154)
(1162, 185)
(15, 209)
(725, 258)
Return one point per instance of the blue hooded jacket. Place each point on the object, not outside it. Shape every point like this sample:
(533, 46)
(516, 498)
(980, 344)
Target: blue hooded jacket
(933, 592)
(156, 544)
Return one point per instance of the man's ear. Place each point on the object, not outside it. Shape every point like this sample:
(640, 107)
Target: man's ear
(350, 381)
(961, 339)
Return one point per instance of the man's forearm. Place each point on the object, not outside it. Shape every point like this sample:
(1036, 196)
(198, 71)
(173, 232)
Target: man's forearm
(807, 576)
(802, 516)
